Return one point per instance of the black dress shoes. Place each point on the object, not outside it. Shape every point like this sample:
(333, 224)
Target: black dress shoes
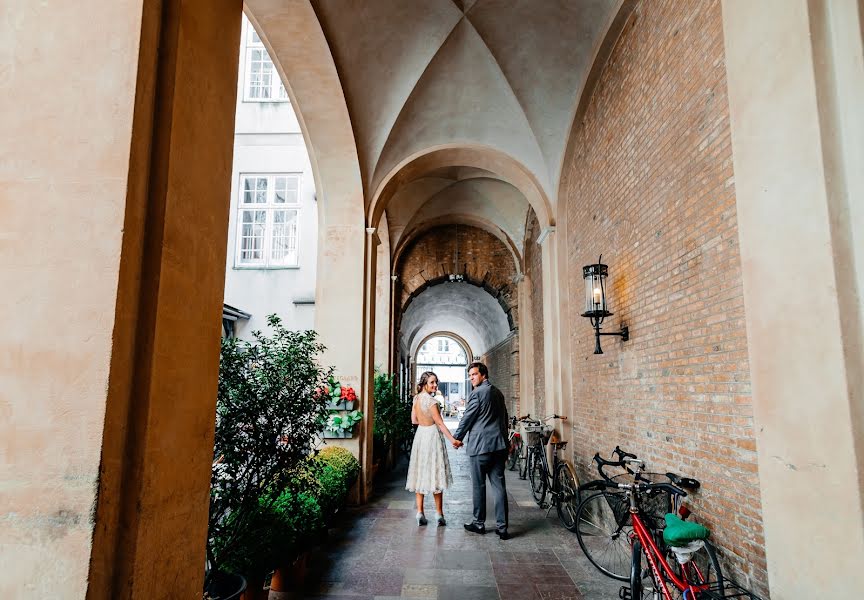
(474, 528)
(502, 534)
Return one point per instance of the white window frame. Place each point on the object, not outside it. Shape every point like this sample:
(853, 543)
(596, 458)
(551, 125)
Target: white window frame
(276, 91)
(269, 207)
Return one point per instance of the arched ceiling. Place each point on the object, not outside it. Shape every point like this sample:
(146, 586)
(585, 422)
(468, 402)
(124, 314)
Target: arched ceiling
(481, 201)
(431, 73)
(466, 310)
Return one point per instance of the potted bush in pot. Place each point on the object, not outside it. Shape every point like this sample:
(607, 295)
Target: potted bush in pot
(268, 412)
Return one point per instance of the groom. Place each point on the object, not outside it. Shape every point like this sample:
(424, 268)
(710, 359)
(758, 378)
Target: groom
(485, 419)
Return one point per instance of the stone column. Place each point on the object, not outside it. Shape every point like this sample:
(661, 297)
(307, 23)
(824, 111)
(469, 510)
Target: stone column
(796, 80)
(526, 345)
(383, 286)
(551, 324)
(113, 255)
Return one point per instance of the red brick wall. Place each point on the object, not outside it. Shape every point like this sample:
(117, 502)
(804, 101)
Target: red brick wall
(503, 364)
(482, 256)
(648, 182)
(534, 271)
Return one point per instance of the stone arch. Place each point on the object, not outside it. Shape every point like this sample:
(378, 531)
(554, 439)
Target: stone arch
(296, 43)
(416, 230)
(474, 156)
(469, 356)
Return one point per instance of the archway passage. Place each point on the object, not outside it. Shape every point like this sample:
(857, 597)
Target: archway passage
(461, 280)
(447, 355)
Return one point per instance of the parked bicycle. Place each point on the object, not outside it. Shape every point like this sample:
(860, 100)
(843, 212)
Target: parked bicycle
(634, 529)
(514, 445)
(560, 481)
(603, 518)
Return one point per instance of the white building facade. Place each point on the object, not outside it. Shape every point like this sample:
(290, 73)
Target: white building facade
(273, 229)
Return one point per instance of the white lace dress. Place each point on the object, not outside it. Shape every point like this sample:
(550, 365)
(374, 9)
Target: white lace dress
(429, 468)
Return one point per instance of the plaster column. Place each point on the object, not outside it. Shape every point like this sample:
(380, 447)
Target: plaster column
(526, 345)
(551, 327)
(796, 80)
(383, 286)
(113, 258)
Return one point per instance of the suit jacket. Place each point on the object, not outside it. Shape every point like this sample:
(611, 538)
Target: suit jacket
(485, 419)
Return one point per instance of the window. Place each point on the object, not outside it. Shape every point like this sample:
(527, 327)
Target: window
(267, 222)
(263, 83)
(443, 345)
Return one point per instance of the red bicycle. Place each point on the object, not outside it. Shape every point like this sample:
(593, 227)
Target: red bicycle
(681, 562)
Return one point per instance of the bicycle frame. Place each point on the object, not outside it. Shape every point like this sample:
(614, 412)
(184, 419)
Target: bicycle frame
(656, 561)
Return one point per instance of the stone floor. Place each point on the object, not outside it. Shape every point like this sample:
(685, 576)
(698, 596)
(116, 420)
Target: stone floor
(379, 552)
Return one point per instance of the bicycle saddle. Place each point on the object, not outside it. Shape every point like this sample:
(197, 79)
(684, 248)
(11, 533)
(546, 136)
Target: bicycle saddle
(560, 445)
(681, 533)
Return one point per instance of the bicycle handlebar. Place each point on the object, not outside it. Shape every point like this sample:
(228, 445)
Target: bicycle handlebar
(647, 487)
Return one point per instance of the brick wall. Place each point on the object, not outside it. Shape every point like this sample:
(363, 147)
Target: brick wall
(648, 182)
(479, 254)
(536, 405)
(503, 364)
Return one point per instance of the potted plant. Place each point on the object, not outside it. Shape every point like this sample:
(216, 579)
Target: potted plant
(268, 412)
(340, 397)
(342, 425)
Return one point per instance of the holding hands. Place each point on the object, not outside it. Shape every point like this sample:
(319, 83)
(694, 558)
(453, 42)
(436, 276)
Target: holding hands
(457, 444)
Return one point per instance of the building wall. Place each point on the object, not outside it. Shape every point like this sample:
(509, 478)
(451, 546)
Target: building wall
(480, 254)
(536, 405)
(648, 182)
(503, 364)
(268, 139)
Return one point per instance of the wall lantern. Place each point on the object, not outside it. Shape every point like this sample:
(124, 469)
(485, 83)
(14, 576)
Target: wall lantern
(595, 302)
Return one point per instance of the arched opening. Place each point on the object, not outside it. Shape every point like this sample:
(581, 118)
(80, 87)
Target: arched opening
(448, 356)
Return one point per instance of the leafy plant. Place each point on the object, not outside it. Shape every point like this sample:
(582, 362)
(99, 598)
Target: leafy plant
(346, 422)
(335, 470)
(392, 413)
(268, 410)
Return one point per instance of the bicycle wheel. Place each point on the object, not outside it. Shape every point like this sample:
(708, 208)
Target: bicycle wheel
(603, 528)
(537, 475)
(523, 461)
(515, 451)
(701, 570)
(567, 487)
(636, 571)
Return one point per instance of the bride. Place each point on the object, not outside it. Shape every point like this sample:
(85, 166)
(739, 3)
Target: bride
(429, 468)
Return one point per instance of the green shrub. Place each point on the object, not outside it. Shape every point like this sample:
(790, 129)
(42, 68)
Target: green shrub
(392, 413)
(335, 469)
(269, 409)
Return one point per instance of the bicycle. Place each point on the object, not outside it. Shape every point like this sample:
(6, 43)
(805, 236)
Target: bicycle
(561, 481)
(514, 445)
(680, 559)
(603, 518)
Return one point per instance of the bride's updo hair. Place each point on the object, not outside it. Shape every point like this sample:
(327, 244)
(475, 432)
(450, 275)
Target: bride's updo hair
(425, 378)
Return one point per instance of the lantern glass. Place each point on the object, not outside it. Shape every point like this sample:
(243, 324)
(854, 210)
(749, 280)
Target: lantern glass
(595, 289)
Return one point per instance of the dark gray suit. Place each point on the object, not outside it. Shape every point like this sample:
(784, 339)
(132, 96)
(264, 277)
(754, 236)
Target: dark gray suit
(485, 423)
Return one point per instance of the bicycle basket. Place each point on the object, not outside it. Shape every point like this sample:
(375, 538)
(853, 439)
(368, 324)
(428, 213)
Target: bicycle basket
(534, 431)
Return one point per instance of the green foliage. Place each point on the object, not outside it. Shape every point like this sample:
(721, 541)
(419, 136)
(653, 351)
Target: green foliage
(345, 421)
(268, 411)
(392, 413)
(335, 470)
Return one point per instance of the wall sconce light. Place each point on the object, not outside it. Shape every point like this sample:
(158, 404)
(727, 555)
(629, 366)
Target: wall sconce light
(595, 302)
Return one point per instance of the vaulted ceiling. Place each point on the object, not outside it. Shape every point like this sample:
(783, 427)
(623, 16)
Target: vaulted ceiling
(506, 74)
(439, 112)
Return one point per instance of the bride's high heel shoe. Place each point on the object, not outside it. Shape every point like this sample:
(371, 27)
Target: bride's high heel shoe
(421, 519)
(441, 520)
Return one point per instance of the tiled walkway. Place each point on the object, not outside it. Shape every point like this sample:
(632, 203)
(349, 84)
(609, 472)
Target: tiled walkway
(381, 553)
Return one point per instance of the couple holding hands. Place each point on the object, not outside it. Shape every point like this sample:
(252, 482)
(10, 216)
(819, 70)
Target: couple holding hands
(485, 425)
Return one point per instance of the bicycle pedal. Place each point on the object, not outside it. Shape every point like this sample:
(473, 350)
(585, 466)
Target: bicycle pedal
(624, 593)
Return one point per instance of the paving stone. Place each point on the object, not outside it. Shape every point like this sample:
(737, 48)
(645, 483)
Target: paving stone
(378, 551)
